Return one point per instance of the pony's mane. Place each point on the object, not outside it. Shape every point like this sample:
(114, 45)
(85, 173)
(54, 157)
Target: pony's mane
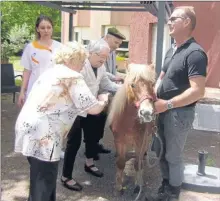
(135, 72)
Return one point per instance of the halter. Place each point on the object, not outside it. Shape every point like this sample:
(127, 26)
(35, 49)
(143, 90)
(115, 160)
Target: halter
(143, 98)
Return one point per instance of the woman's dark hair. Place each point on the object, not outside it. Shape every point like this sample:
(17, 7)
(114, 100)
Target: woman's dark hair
(39, 20)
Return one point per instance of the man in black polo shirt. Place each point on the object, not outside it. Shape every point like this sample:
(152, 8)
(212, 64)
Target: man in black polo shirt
(180, 85)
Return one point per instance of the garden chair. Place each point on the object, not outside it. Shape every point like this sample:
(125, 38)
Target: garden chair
(8, 80)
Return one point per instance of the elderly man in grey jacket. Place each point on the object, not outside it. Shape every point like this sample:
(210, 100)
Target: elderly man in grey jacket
(94, 73)
(114, 39)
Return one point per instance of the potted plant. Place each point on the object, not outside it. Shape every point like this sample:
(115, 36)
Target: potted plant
(121, 61)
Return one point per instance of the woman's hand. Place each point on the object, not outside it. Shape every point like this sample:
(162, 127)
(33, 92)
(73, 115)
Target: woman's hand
(102, 103)
(103, 97)
(21, 100)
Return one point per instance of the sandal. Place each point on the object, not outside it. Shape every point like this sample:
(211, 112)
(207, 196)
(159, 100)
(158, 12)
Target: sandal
(74, 187)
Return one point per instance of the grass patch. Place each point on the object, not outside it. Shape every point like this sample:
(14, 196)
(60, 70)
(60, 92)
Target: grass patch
(16, 63)
(210, 161)
(18, 82)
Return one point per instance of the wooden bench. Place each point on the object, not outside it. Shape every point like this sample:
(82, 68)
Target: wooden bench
(8, 80)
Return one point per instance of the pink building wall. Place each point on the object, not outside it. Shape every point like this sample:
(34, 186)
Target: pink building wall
(207, 33)
(140, 37)
(83, 18)
(120, 18)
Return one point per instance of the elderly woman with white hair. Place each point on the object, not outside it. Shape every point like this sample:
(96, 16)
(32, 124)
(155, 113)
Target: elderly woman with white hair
(96, 78)
(58, 96)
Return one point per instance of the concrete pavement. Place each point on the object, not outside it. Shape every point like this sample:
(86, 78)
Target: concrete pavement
(15, 169)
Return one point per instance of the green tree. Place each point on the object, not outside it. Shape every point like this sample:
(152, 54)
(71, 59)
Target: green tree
(18, 13)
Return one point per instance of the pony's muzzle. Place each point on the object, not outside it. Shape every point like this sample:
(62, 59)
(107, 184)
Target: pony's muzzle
(146, 115)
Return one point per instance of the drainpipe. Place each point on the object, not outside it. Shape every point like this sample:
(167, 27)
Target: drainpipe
(160, 32)
(70, 26)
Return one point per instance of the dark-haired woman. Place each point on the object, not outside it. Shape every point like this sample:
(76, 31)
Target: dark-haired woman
(37, 56)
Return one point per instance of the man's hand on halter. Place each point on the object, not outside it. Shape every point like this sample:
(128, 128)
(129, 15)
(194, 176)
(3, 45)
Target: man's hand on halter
(160, 106)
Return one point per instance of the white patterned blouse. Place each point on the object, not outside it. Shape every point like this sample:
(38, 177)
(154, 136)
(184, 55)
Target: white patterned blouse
(57, 97)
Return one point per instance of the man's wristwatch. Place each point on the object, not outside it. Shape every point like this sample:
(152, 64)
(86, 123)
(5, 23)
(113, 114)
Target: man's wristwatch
(169, 105)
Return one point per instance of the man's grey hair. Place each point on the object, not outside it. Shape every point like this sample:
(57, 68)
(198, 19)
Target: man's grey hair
(97, 46)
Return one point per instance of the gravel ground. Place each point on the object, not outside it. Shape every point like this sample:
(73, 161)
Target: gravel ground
(15, 169)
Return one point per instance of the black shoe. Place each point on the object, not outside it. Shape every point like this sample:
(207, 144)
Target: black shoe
(92, 172)
(165, 184)
(74, 187)
(161, 192)
(173, 192)
(170, 193)
(103, 150)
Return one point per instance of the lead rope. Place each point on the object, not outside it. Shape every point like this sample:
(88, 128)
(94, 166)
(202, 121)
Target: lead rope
(155, 136)
(155, 132)
(139, 166)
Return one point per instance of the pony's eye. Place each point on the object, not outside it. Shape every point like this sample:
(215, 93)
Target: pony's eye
(133, 85)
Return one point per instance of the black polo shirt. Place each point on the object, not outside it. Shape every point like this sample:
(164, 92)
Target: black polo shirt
(180, 64)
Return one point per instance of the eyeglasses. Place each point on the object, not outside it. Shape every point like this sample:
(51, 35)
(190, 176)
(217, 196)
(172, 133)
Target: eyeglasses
(172, 19)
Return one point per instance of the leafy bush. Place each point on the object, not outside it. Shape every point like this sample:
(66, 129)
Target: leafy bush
(19, 36)
(14, 41)
(6, 51)
(20, 12)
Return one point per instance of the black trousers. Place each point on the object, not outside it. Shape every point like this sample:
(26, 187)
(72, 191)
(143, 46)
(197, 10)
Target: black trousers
(43, 176)
(93, 129)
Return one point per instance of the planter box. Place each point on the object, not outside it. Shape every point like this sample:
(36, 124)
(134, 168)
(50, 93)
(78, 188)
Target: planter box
(207, 117)
(208, 111)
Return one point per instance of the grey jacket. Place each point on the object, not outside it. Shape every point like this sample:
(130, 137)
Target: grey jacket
(110, 66)
(98, 84)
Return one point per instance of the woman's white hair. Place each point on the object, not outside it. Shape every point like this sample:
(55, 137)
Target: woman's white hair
(71, 52)
(97, 46)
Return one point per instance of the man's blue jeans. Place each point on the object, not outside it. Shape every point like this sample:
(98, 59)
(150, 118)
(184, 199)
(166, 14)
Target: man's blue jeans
(173, 128)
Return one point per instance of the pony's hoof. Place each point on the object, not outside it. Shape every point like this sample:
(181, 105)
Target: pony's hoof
(136, 189)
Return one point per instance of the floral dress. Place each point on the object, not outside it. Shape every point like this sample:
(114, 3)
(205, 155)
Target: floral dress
(57, 97)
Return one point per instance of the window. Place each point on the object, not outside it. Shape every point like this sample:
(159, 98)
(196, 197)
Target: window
(85, 42)
(124, 44)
